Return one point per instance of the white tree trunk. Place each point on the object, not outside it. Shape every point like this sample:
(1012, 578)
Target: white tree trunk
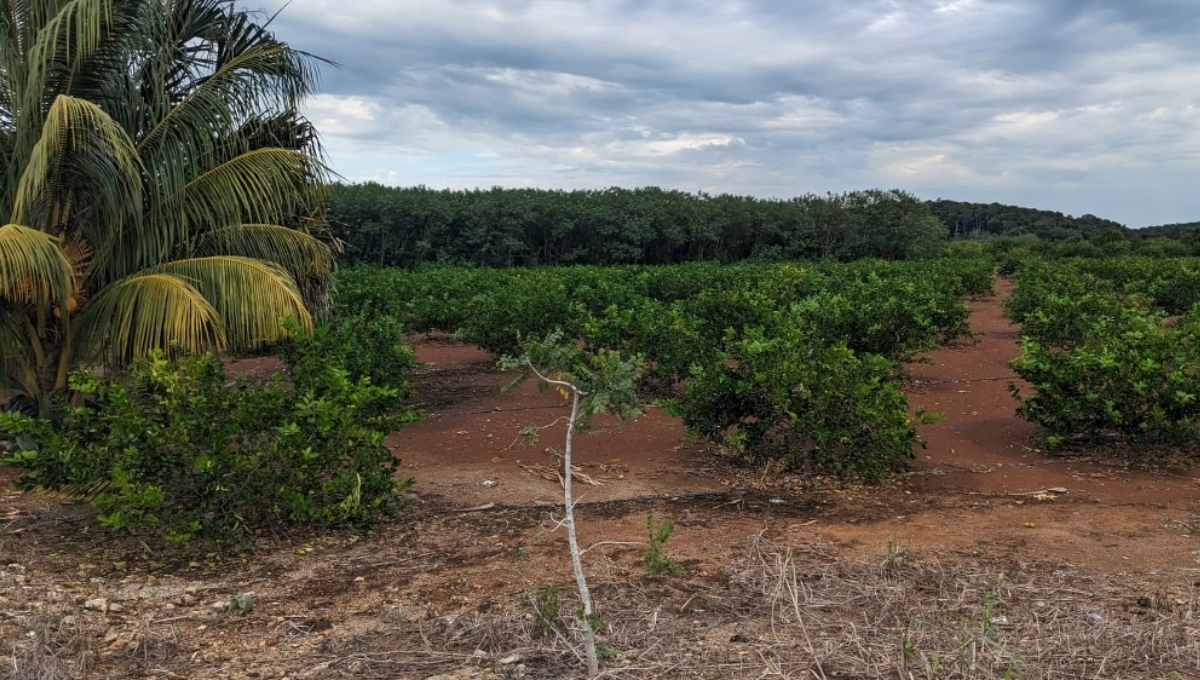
(585, 595)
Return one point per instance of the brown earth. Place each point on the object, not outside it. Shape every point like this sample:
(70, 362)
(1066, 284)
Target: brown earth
(990, 556)
(979, 456)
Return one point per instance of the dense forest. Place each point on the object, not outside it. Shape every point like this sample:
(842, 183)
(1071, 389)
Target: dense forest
(1184, 230)
(517, 227)
(416, 226)
(972, 220)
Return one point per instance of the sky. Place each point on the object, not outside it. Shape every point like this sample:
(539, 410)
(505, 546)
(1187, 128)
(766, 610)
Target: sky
(1078, 106)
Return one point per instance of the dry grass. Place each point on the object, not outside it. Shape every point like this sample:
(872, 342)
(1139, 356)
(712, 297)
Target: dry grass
(776, 610)
(45, 634)
(802, 612)
(49, 649)
(927, 617)
(41, 639)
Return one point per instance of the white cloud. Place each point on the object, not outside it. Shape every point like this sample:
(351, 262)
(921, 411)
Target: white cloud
(956, 6)
(687, 142)
(1026, 118)
(547, 83)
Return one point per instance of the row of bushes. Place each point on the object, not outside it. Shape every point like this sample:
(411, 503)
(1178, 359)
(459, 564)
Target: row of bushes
(179, 447)
(880, 307)
(789, 363)
(1104, 359)
(794, 364)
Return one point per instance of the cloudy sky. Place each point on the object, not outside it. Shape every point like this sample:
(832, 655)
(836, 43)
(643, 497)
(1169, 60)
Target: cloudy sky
(1080, 106)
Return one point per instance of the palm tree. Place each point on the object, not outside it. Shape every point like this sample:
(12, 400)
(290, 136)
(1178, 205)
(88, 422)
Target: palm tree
(159, 187)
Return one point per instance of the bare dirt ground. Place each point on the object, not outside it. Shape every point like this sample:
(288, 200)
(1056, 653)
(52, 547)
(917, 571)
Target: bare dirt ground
(991, 559)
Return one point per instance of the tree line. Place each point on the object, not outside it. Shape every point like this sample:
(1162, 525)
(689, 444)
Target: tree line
(415, 226)
(409, 227)
(977, 220)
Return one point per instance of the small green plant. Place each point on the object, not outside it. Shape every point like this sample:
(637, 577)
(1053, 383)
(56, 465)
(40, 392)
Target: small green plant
(545, 607)
(594, 382)
(979, 651)
(988, 636)
(898, 558)
(654, 559)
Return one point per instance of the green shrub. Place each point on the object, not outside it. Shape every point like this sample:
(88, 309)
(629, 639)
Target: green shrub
(667, 335)
(1063, 320)
(1129, 376)
(892, 318)
(518, 304)
(972, 276)
(175, 447)
(811, 406)
(366, 346)
(1171, 285)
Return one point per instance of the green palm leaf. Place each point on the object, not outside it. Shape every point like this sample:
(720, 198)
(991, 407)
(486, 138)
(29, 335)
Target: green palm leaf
(147, 311)
(259, 186)
(33, 268)
(49, 42)
(299, 253)
(269, 74)
(83, 161)
(252, 296)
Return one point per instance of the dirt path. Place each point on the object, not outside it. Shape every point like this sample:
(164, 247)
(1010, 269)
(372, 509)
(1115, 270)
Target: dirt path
(981, 446)
(467, 450)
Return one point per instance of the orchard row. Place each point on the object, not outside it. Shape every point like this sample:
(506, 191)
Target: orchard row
(1111, 349)
(781, 361)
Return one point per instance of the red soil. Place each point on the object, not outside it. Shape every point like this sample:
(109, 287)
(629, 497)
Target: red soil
(973, 488)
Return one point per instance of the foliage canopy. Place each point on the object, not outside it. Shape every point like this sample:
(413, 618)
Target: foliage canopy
(158, 186)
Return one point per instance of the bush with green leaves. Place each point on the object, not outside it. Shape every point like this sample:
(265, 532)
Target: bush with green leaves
(518, 304)
(366, 345)
(971, 276)
(892, 318)
(175, 447)
(1128, 376)
(1055, 303)
(1065, 320)
(671, 338)
(813, 407)
(1171, 285)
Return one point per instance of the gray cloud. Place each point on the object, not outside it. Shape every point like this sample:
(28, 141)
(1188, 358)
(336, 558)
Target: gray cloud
(1072, 105)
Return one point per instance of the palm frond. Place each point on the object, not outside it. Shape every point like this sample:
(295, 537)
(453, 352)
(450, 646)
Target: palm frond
(83, 161)
(252, 296)
(260, 186)
(147, 311)
(18, 351)
(299, 253)
(286, 130)
(33, 268)
(258, 77)
(56, 38)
